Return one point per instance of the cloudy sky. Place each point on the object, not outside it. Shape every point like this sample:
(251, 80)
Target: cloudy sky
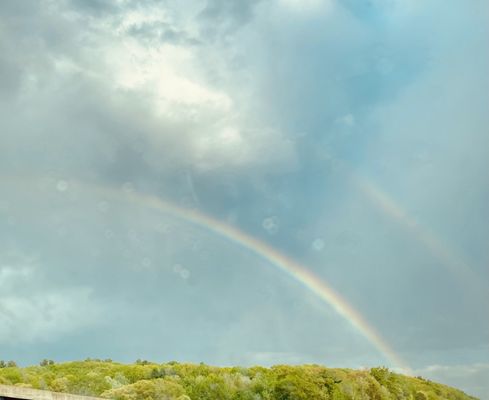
(349, 135)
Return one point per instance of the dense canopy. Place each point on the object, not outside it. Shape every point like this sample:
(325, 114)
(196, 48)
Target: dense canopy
(149, 381)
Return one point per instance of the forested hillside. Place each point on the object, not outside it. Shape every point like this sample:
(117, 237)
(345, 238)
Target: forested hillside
(148, 381)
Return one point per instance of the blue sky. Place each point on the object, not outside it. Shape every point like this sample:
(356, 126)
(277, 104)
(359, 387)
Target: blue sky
(349, 135)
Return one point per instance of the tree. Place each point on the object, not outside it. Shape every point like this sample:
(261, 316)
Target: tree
(156, 389)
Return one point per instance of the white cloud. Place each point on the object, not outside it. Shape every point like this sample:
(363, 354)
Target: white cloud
(193, 96)
(15, 268)
(164, 73)
(45, 316)
(120, 82)
(9, 275)
(30, 311)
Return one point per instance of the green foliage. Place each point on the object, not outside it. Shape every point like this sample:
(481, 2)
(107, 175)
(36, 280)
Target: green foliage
(46, 362)
(157, 389)
(142, 362)
(8, 364)
(150, 381)
(381, 374)
(390, 381)
(419, 395)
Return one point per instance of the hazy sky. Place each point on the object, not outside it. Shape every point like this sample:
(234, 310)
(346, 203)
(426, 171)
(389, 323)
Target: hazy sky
(349, 135)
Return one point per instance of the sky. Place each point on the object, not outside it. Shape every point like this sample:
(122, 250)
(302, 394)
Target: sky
(154, 154)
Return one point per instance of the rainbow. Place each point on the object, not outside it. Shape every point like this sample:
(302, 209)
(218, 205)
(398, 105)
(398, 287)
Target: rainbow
(394, 211)
(457, 267)
(284, 264)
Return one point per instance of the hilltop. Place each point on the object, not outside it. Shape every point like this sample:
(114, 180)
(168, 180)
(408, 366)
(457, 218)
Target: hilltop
(150, 381)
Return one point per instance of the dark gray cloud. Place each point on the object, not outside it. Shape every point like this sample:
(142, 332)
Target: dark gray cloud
(162, 32)
(96, 8)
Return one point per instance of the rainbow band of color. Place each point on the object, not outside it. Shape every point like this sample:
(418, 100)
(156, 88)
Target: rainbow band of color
(293, 269)
(296, 271)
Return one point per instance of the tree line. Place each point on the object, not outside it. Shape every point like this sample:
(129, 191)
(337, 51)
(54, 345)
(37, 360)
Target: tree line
(145, 380)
